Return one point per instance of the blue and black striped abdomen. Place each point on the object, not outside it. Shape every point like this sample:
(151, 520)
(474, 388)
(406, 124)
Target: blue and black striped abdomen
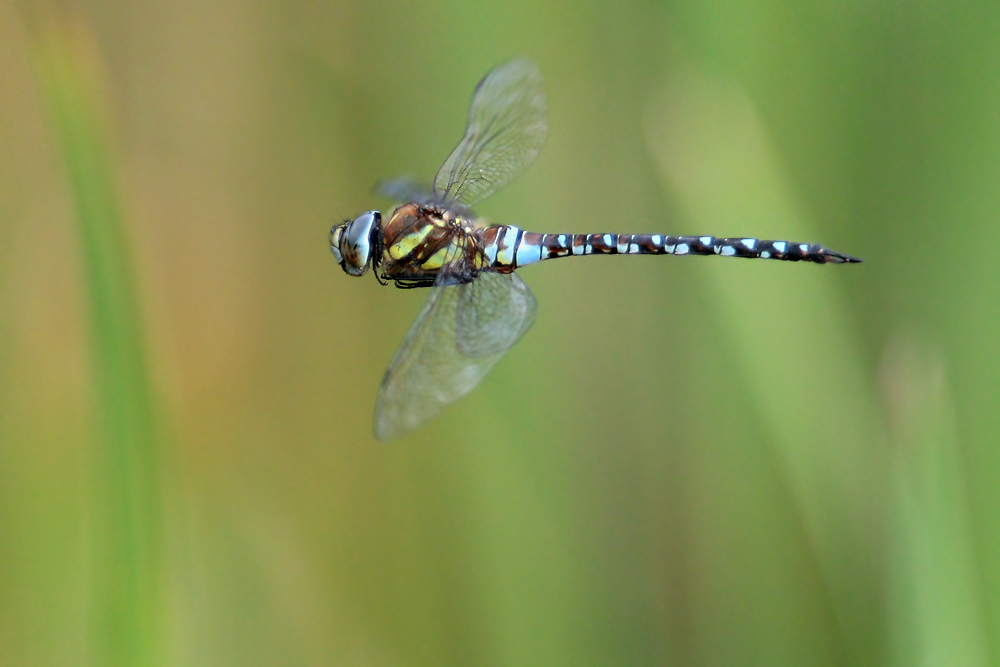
(508, 248)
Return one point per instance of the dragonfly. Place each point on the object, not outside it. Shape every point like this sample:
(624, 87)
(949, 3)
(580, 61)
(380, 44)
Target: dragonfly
(478, 307)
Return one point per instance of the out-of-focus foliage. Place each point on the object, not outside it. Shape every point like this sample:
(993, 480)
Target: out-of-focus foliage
(685, 462)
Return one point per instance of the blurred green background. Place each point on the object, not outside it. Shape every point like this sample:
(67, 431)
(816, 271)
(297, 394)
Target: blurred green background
(685, 462)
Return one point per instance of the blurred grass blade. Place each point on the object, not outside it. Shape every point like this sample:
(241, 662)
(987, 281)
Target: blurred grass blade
(125, 510)
(785, 326)
(935, 612)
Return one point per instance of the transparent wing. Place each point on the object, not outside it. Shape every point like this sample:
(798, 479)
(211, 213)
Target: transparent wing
(494, 311)
(405, 189)
(460, 334)
(506, 129)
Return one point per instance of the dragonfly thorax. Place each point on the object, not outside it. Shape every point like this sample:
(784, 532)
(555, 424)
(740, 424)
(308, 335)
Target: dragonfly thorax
(354, 243)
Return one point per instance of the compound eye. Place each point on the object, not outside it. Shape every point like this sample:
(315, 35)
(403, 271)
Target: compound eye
(335, 234)
(356, 242)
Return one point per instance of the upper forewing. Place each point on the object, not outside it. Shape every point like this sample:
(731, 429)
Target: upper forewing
(505, 132)
(406, 190)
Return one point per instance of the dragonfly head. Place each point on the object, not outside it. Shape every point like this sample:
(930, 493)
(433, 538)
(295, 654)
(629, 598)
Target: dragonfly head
(354, 242)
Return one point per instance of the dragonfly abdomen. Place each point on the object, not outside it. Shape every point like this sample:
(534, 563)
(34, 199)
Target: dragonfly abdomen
(508, 247)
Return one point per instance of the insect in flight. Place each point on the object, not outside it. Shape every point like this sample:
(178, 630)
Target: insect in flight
(478, 307)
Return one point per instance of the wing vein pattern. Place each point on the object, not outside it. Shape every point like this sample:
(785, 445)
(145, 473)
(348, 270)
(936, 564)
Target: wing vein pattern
(459, 335)
(506, 129)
